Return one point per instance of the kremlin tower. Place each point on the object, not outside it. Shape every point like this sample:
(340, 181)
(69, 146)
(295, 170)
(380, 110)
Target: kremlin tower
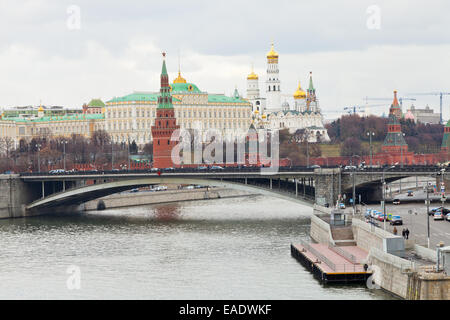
(394, 141)
(395, 107)
(273, 92)
(165, 124)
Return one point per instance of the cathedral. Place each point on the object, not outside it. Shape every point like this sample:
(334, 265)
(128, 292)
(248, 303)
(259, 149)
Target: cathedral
(271, 112)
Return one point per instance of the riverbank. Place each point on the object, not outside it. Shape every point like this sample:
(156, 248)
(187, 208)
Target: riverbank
(398, 266)
(129, 199)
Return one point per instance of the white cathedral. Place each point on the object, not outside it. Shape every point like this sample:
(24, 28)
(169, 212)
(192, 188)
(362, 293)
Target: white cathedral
(271, 113)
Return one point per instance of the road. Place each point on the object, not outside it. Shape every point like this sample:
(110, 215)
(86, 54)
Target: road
(417, 223)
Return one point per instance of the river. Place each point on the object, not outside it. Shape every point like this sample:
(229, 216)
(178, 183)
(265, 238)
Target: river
(217, 249)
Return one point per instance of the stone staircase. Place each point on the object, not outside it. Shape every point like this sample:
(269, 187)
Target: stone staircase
(343, 236)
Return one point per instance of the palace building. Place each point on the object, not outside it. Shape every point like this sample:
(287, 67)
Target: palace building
(131, 116)
(29, 123)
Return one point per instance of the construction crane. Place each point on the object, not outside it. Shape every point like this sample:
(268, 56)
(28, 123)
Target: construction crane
(390, 99)
(440, 94)
(358, 108)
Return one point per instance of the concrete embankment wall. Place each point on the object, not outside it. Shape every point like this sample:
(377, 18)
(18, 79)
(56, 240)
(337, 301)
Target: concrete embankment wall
(390, 272)
(320, 230)
(425, 253)
(15, 194)
(146, 198)
(368, 237)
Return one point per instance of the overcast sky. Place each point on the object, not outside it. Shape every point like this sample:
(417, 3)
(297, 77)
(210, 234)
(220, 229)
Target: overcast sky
(114, 48)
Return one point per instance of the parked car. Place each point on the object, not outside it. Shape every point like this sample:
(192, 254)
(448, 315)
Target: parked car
(448, 217)
(154, 169)
(396, 201)
(341, 205)
(442, 209)
(134, 190)
(315, 166)
(350, 168)
(202, 168)
(169, 169)
(396, 220)
(382, 216)
(410, 193)
(216, 168)
(438, 215)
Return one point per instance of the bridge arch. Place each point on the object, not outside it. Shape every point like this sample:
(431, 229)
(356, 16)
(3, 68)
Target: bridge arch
(77, 196)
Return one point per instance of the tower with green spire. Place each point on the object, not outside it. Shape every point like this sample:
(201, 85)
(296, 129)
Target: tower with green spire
(165, 124)
(311, 101)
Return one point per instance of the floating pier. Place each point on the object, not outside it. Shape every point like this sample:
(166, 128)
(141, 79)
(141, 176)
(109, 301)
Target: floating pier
(332, 264)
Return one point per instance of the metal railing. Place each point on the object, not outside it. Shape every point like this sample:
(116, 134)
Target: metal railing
(354, 267)
(345, 254)
(318, 255)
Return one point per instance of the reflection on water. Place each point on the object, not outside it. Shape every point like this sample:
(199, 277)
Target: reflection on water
(216, 249)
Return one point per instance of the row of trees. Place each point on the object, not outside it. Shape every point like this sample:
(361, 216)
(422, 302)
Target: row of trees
(350, 130)
(47, 152)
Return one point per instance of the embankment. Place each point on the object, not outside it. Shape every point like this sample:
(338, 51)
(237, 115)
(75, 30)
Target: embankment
(145, 198)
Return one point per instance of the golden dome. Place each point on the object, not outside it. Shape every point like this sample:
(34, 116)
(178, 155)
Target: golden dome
(252, 76)
(299, 94)
(272, 54)
(179, 79)
(40, 109)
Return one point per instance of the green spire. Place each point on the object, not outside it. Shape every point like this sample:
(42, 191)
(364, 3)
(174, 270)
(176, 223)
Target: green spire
(164, 69)
(311, 86)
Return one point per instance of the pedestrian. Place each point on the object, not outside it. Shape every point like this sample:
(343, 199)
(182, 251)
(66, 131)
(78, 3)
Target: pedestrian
(395, 231)
(407, 233)
(403, 233)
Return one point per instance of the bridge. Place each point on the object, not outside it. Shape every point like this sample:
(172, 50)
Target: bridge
(36, 193)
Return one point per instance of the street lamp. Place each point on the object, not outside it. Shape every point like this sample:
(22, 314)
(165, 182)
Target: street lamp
(64, 142)
(353, 178)
(112, 155)
(38, 146)
(383, 202)
(370, 134)
(401, 153)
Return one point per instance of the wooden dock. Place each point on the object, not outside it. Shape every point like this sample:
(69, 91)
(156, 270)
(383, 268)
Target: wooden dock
(332, 264)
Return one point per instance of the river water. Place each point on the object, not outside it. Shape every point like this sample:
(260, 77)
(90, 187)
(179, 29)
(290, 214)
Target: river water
(217, 249)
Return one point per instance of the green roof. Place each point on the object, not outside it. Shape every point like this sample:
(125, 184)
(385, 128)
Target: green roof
(96, 103)
(184, 87)
(218, 98)
(139, 96)
(59, 118)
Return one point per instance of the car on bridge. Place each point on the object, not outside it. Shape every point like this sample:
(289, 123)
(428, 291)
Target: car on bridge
(396, 201)
(216, 168)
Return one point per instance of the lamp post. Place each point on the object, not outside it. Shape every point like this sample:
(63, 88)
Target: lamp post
(383, 202)
(38, 146)
(370, 134)
(112, 155)
(353, 178)
(64, 142)
(428, 218)
(129, 163)
(401, 153)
